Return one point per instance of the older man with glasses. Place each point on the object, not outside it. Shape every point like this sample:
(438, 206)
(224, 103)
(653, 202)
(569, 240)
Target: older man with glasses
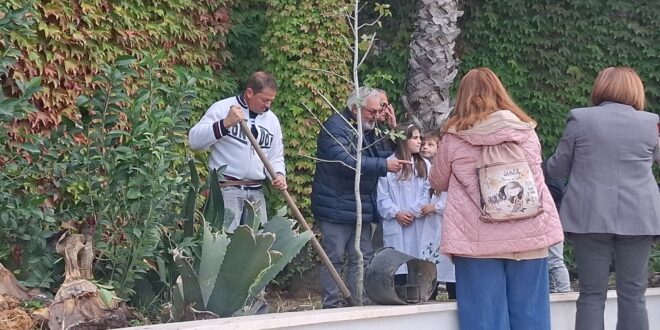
(333, 198)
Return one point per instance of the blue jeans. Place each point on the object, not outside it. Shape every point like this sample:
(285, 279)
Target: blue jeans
(502, 294)
(234, 198)
(558, 273)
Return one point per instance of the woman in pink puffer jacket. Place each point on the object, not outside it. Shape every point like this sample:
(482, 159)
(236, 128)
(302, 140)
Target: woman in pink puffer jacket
(501, 269)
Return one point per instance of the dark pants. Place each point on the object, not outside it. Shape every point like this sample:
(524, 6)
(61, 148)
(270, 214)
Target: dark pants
(593, 255)
(451, 291)
(337, 242)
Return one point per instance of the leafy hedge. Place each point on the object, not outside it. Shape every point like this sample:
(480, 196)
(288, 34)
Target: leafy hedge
(548, 53)
(387, 65)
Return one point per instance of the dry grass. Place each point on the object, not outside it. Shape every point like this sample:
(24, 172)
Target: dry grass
(12, 315)
(279, 302)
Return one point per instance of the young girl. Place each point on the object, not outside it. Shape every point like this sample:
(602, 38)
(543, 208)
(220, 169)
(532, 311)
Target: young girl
(431, 233)
(401, 197)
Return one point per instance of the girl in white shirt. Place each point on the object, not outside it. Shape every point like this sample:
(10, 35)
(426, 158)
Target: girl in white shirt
(431, 237)
(401, 197)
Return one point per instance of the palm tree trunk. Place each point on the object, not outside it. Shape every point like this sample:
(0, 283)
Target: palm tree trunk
(432, 66)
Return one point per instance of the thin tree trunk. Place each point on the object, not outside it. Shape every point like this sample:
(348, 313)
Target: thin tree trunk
(358, 163)
(432, 67)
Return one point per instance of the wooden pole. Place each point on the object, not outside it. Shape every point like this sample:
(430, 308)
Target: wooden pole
(299, 217)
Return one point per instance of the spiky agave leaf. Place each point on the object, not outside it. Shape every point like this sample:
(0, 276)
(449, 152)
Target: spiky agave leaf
(287, 242)
(214, 247)
(188, 282)
(178, 305)
(246, 259)
(249, 217)
(214, 207)
(188, 212)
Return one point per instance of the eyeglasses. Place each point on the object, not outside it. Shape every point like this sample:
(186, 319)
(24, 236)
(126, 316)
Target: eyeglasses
(384, 105)
(372, 111)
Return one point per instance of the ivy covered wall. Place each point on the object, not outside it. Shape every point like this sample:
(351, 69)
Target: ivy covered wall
(71, 40)
(304, 49)
(548, 53)
(387, 65)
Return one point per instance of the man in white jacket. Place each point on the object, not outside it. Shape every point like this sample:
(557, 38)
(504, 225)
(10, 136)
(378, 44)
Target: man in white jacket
(244, 171)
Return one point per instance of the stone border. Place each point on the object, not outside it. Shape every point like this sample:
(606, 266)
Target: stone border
(422, 316)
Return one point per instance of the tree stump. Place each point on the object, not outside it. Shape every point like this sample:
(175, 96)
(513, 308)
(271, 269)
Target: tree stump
(9, 285)
(78, 304)
(12, 316)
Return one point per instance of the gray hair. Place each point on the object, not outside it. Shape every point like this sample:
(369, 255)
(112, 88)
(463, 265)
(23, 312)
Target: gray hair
(365, 94)
(380, 91)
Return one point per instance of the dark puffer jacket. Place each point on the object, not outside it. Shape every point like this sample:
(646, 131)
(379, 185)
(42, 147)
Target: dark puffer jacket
(333, 198)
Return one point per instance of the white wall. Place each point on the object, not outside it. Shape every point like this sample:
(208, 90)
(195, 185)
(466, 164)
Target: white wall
(413, 317)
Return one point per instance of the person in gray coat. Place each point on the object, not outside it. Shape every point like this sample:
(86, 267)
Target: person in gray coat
(611, 209)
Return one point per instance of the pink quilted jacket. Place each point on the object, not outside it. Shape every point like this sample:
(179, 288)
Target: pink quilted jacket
(463, 233)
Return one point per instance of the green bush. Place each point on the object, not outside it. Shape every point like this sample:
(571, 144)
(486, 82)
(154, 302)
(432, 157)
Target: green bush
(126, 171)
(117, 155)
(25, 222)
(120, 166)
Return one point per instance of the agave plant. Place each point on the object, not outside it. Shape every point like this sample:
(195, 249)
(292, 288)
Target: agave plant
(233, 268)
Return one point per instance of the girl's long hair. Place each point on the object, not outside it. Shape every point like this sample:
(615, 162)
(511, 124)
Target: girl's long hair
(403, 153)
(480, 94)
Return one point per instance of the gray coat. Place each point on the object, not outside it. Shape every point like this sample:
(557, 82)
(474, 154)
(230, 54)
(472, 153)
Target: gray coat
(607, 151)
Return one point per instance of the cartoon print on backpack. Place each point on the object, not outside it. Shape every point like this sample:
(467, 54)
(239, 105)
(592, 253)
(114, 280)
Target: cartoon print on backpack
(512, 192)
(509, 197)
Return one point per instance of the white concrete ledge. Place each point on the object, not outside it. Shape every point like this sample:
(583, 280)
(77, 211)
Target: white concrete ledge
(417, 317)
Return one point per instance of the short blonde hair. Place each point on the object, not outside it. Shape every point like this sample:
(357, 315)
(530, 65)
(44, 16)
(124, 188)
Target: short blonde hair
(618, 84)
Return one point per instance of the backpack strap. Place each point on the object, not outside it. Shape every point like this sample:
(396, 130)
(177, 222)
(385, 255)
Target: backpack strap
(464, 186)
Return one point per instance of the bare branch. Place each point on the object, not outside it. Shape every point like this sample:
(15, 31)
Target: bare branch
(331, 73)
(326, 160)
(329, 161)
(363, 5)
(371, 43)
(374, 22)
(350, 22)
(336, 111)
(382, 138)
(326, 130)
(349, 44)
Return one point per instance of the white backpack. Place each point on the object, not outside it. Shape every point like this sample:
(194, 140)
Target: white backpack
(506, 184)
